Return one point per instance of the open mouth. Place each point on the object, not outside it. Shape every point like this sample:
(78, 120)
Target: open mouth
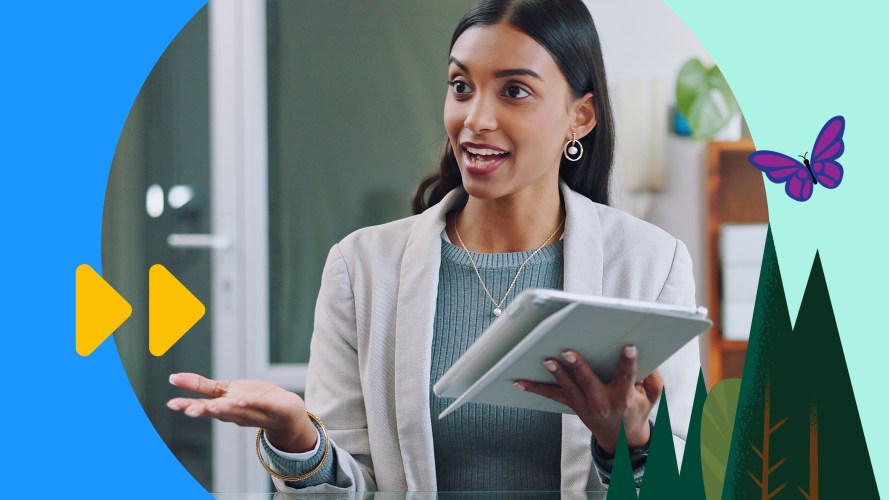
(483, 160)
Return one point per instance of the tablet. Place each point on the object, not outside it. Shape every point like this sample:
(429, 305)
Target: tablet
(542, 323)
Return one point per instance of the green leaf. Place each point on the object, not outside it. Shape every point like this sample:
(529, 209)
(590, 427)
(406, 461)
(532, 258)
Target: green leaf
(690, 80)
(717, 423)
(718, 82)
(704, 97)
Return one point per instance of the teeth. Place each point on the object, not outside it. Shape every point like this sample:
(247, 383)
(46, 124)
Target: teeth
(484, 152)
(482, 162)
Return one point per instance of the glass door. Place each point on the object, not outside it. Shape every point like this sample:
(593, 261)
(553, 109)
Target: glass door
(266, 133)
(159, 185)
(354, 94)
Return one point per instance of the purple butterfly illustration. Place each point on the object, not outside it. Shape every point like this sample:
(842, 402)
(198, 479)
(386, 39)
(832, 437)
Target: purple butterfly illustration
(800, 178)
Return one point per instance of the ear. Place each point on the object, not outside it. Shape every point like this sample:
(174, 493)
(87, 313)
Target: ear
(584, 111)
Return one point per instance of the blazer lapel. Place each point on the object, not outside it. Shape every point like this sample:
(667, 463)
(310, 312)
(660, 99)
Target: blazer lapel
(583, 273)
(583, 244)
(415, 316)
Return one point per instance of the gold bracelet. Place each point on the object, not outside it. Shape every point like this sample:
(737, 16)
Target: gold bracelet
(306, 475)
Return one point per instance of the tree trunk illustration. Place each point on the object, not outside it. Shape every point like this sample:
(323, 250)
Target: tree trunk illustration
(813, 455)
(764, 454)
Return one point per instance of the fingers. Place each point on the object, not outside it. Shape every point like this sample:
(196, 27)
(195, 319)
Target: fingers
(554, 392)
(202, 385)
(189, 406)
(567, 392)
(653, 385)
(625, 378)
(584, 375)
(238, 412)
(224, 409)
(563, 377)
(270, 411)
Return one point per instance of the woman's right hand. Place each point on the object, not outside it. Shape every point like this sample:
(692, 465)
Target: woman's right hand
(249, 403)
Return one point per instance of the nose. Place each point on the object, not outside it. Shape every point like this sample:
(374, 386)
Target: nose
(481, 116)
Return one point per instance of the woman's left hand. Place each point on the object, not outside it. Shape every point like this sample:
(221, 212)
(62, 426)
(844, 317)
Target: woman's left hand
(602, 407)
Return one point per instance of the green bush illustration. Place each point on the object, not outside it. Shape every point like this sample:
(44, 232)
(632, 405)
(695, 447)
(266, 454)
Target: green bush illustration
(717, 422)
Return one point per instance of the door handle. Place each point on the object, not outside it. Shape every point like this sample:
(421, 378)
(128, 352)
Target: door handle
(207, 241)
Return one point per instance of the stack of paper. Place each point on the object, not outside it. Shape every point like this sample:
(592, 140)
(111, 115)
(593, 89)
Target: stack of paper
(741, 247)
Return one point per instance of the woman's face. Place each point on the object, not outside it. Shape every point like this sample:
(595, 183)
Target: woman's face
(508, 112)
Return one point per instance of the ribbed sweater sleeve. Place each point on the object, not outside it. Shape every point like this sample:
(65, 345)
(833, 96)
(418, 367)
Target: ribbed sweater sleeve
(326, 474)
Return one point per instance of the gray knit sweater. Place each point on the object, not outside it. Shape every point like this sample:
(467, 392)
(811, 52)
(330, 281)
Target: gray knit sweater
(480, 446)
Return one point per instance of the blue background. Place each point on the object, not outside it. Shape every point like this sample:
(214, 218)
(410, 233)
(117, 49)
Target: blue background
(71, 73)
(73, 69)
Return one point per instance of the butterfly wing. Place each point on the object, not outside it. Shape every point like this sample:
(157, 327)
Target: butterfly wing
(777, 167)
(829, 143)
(780, 168)
(799, 187)
(828, 173)
(828, 147)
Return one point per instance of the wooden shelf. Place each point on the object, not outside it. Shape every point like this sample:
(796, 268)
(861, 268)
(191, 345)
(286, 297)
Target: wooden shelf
(735, 194)
(733, 345)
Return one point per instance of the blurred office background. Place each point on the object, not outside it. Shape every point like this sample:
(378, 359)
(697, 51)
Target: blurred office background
(269, 130)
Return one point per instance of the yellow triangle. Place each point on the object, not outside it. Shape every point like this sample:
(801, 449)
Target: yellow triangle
(172, 310)
(99, 310)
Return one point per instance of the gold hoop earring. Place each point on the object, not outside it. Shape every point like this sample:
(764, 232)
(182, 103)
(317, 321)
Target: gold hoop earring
(573, 149)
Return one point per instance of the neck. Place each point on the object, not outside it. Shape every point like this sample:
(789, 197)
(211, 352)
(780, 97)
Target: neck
(508, 224)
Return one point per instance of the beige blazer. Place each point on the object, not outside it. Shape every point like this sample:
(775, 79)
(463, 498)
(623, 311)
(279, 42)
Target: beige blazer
(368, 374)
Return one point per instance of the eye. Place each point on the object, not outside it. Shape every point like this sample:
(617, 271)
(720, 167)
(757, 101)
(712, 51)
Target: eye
(459, 87)
(516, 92)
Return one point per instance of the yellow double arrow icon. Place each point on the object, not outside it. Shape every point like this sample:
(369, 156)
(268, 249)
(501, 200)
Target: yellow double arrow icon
(172, 310)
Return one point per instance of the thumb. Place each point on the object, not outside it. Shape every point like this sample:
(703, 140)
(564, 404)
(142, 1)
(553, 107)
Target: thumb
(653, 386)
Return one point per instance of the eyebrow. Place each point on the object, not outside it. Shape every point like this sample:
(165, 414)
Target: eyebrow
(503, 73)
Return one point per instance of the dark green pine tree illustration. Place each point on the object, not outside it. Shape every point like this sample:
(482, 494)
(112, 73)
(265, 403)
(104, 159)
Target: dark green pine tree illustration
(622, 485)
(833, 441)
(797, 413)
(691, 480)
(760, 465)
(661, 479)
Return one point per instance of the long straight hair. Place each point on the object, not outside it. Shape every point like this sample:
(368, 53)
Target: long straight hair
(565, 28)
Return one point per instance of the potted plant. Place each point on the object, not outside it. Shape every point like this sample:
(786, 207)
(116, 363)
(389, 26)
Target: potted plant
(704, 99)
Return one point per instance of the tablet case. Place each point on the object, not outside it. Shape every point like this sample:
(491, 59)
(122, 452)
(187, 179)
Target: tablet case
(542, 323)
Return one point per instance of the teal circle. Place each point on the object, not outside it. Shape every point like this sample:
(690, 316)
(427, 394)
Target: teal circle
(792, 66)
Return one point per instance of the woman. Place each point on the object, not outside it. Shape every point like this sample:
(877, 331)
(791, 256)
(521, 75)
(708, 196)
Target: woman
(520, 201)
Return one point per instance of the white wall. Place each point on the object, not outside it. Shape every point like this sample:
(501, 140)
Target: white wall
(645, 39)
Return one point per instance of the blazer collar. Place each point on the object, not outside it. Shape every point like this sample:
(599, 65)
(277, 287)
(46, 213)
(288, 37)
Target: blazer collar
(583, 244)
(417, 296)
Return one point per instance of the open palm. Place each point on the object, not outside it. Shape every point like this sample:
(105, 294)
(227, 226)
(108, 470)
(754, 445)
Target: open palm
(248, 403)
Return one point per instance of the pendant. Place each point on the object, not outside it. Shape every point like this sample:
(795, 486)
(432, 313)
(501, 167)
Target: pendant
(497, 311)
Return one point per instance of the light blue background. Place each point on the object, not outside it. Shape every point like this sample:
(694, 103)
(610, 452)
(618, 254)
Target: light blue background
(792, 66)
(73, 69)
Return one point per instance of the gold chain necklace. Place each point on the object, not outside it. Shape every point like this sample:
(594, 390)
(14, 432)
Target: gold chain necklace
(497, 310)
